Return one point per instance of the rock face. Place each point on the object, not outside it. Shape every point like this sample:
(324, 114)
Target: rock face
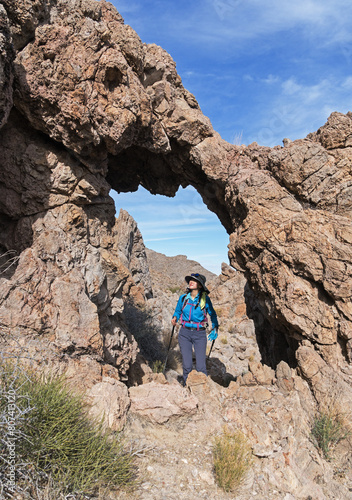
(85, 280)
(86, 106)
(6, 67)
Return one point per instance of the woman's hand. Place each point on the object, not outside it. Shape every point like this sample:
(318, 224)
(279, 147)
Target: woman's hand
(174, 321)
(213, 335)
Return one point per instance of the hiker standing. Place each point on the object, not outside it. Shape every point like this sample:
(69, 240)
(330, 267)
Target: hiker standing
(192, 309)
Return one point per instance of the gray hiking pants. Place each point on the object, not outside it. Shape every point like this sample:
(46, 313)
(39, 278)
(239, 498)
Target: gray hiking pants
(189, 339)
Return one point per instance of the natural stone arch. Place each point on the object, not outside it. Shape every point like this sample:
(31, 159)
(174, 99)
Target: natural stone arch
(163, 174)
(110, 101)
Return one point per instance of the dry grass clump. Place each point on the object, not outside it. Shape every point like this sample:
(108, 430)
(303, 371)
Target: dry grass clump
(175, 289)
(232, 459)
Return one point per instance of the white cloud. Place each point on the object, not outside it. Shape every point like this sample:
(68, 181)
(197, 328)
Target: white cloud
(148, 233)
(126, 6)
(173, 223)
(271, 79)
(253, 18)
(147, 240)
(299, 108)
(347, 83)
(290, 87)
(308, 93)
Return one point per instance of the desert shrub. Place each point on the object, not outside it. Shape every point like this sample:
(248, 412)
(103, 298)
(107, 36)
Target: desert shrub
(158, 366)
(328, 430)
(232, 459)
(57, 440)
(223, 340)
(219, 311)
(175, 289)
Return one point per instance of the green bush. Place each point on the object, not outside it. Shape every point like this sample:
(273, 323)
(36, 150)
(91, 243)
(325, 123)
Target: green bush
(232, 459)
(158, 366)
(328, 430)
(57, 439)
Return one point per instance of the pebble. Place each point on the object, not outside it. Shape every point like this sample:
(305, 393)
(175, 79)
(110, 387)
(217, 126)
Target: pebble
(195, 472)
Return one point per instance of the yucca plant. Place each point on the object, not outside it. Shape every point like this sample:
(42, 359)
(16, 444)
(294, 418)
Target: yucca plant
(56, 438)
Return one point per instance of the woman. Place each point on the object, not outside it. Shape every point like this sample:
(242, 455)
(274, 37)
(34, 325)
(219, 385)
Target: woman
(192, 309)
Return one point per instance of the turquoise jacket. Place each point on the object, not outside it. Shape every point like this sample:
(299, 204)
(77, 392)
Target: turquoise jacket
(193, 315)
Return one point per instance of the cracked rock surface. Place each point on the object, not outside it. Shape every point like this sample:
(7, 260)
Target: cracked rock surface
(85, 106)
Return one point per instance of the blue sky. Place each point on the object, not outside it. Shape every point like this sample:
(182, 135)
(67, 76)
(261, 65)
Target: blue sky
(260, 70)
(179, 225)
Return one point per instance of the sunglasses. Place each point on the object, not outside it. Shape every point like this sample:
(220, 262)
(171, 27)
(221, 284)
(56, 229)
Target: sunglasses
(196, 275)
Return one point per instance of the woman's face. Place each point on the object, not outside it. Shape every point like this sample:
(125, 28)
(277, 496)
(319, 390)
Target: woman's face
(193, 285)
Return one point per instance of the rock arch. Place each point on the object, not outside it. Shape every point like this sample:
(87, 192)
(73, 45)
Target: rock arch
(97, 108)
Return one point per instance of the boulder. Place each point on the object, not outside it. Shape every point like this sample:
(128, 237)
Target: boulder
(109, 401)
(159, 403)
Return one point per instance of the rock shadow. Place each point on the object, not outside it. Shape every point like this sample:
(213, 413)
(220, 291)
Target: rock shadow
(274, 345)
(152, 346)
(218, 373)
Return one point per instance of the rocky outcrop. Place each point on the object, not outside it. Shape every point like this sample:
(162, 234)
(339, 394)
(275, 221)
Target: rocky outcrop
(275, 417)
(85, 280)
(129, 241)
(110, 399)
(94, 108)
(169, 272)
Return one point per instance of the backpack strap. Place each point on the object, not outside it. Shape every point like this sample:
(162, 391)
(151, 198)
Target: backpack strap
(185, 302)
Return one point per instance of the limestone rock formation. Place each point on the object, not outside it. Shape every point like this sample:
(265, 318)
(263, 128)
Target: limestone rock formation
(134, 254)
(85, 106)
(109, 398)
